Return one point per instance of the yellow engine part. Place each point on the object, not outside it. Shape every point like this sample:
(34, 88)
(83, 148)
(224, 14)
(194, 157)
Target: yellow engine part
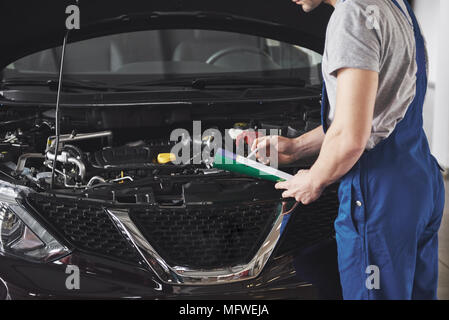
(164, 158)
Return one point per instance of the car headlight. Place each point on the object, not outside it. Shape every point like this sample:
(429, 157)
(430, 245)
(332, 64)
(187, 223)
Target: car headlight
(20, 234)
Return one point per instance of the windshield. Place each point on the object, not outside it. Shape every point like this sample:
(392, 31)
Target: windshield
(170, 54)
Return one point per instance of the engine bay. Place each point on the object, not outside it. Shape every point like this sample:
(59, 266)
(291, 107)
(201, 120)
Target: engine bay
(128, 158)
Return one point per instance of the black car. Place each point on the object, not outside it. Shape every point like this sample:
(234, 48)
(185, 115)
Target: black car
(89, 208)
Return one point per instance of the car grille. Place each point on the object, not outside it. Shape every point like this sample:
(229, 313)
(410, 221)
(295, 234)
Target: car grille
(209, 237)
(312, 223)
(85, 226)
(202, 237)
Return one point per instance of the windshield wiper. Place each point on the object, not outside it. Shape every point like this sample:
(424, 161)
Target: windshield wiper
(203, 83)
(195, 83)
(53, 84)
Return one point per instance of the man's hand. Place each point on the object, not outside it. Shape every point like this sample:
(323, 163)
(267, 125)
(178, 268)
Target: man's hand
(301, 187)
(290, 150)
(285, 148)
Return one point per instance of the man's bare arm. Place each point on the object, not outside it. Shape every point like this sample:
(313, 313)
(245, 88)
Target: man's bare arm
(346, 139)
(348, 135)
(309, 144)
(290, 150)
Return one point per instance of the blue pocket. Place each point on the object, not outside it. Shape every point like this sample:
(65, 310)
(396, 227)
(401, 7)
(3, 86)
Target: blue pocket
(345, 222)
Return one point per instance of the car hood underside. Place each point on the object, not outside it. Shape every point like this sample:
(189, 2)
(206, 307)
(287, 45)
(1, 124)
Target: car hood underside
(29, 26)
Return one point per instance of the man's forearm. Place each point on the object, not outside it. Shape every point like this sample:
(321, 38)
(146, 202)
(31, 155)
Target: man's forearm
(309, 144)
(340, 151)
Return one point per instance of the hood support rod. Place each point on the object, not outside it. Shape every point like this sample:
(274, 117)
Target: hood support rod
(58, 100)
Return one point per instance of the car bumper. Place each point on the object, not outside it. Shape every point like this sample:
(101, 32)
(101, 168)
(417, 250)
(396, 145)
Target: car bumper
(104, 279)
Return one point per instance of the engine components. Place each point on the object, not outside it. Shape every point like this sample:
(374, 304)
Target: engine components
(89, 161)
(164, 158)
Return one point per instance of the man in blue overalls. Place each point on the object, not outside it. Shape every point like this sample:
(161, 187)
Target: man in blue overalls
(372, 141)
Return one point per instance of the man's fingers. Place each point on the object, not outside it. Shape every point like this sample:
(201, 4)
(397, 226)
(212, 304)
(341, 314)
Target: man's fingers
(282, 185)
(287, 194)
(256, 143)
(263, 160)
(260, 143)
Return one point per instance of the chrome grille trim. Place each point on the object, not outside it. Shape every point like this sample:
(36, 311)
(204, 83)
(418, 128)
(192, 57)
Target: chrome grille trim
(185, 276)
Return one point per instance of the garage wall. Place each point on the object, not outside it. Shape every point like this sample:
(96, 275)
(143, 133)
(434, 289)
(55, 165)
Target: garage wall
(436, 109)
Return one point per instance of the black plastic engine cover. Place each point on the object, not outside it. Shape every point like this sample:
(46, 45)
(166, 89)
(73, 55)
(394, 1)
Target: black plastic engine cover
(124, 155)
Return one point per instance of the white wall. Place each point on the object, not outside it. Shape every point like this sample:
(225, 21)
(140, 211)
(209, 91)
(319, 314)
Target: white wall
(435, 27)
(441, 111)
(427, 12)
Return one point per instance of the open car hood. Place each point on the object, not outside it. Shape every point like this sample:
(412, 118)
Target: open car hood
(30, 26)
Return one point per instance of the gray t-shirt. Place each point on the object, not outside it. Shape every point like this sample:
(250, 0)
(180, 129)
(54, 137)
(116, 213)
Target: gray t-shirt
(373, 35)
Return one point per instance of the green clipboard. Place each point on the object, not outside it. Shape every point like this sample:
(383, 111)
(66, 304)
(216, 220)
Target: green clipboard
(225, 160)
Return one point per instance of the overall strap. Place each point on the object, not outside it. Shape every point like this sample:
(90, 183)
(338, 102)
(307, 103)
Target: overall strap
(420, 46)
(410, 12)
(421, 61)
(324, 108)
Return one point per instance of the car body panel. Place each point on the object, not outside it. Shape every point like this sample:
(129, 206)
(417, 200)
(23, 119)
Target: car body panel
(39, 25)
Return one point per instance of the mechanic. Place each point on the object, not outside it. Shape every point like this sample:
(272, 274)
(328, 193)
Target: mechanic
(372, 141)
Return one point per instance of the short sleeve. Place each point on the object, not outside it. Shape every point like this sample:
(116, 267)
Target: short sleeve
(355, 38)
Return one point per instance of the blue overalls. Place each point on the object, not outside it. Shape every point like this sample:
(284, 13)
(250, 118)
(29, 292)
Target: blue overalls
(391, 205)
